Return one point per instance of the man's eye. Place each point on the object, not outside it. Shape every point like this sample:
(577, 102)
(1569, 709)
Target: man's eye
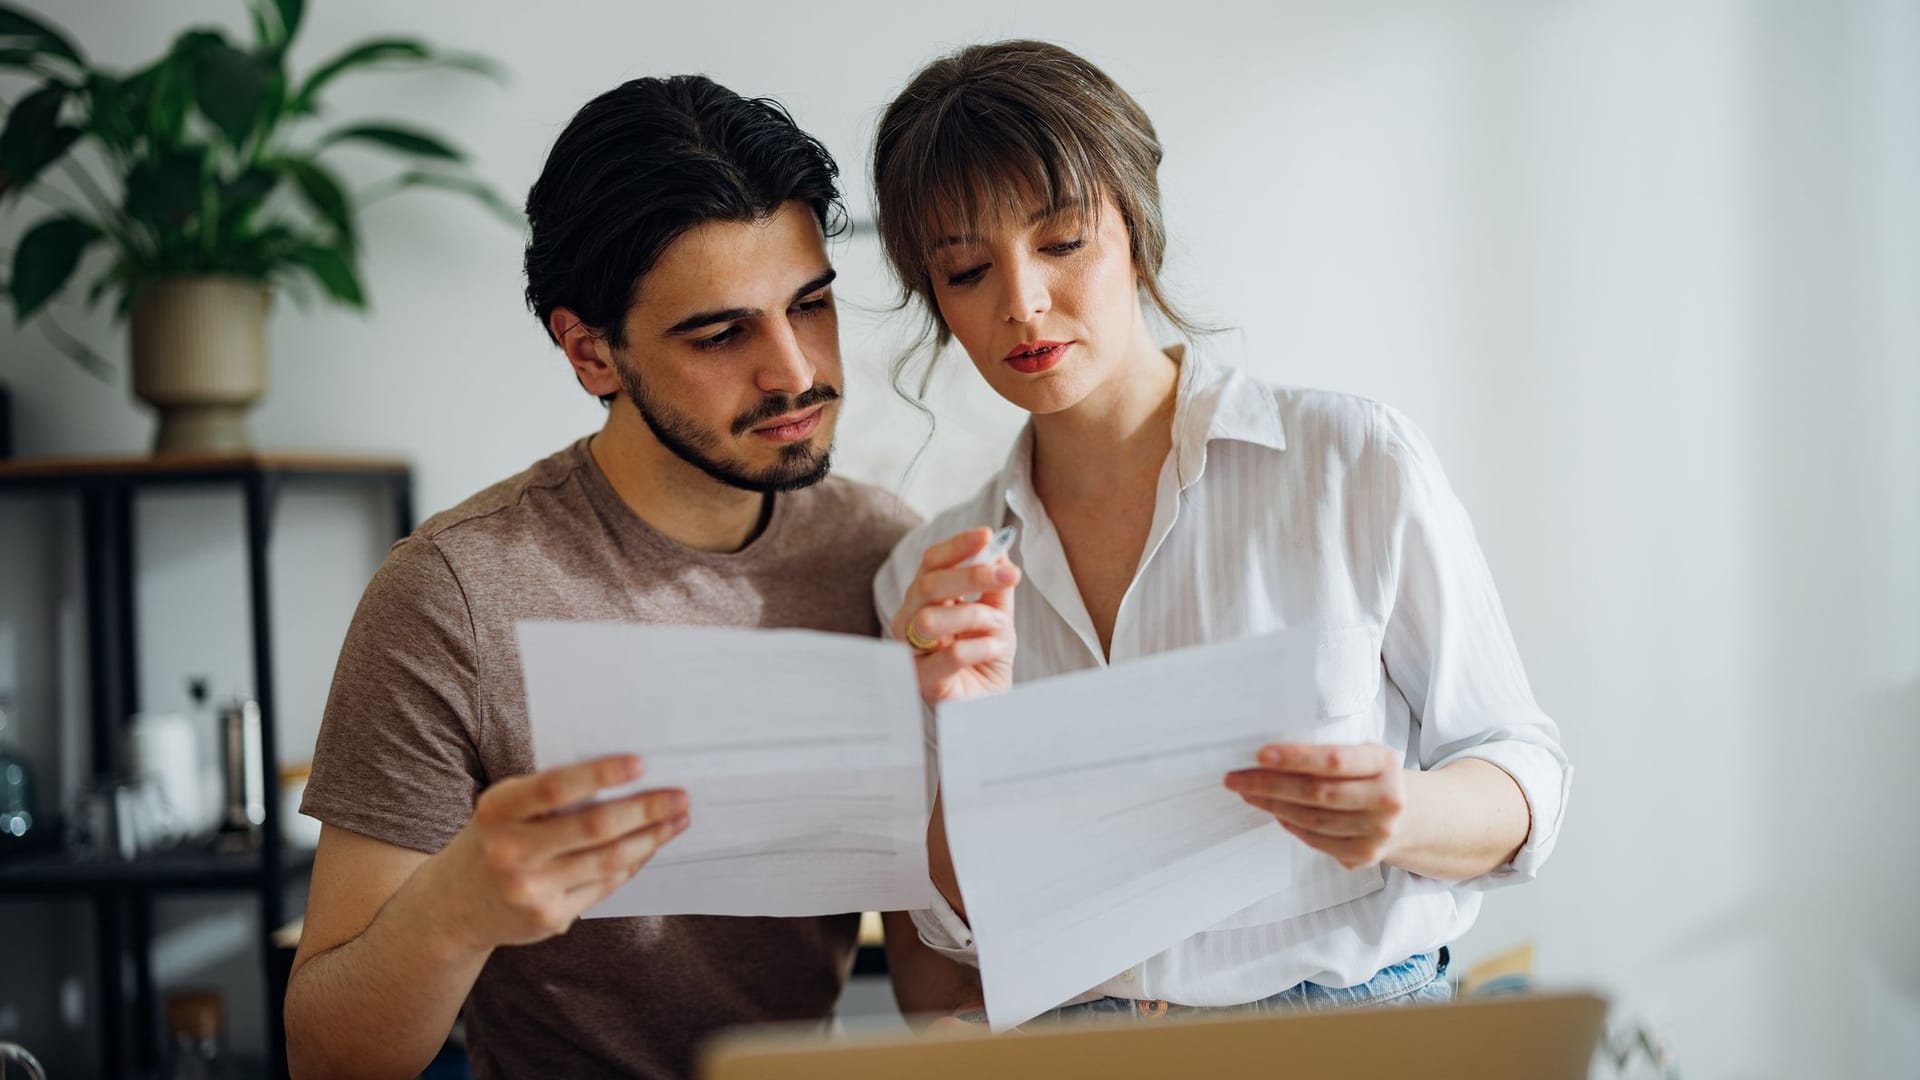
(719, 340)
(813, 307)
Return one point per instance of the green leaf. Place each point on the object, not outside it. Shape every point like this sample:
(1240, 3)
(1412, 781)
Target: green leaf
(333, 268)
(242, 197)
(365, 53)
(39, 37)
(324, 192)
(231, 88)
(110, 277)
(393, 138)
(108, 115)
(63, 139)
(377, 51)
(473, 189)
(290, 13)
(472, 64)
(158, 98)
(266, 31)
(27, 144)
(45, 260)
(165, 190)
(26, 60)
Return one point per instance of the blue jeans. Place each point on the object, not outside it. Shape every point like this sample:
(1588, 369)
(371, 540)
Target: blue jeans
(1417, 980)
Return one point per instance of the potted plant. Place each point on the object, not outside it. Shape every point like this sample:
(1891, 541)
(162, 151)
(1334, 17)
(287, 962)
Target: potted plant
(210, 204)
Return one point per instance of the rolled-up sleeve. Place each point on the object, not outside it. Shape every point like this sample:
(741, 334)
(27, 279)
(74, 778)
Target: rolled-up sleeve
(945, 932)
(1447, 645)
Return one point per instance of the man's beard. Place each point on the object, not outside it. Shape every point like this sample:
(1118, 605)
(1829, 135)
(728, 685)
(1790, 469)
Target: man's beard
(800, 464)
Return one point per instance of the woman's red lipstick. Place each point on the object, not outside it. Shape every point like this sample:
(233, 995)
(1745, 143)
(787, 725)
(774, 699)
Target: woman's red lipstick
(1032, 357)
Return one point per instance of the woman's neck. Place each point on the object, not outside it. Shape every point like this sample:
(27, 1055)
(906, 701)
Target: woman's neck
(1120, 433)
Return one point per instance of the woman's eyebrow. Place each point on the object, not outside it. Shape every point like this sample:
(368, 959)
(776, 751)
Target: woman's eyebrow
(1035, 218)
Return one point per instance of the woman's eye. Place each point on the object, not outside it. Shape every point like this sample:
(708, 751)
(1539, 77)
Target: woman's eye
(1065, 247)
(966, 277)
(719, 340)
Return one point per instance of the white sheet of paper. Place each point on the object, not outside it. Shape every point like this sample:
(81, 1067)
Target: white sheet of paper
(1088, 816)
(802, 754)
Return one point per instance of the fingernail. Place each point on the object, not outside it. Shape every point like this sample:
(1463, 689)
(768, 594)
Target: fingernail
(1270, 756)
(635, 766)
(1006, 575)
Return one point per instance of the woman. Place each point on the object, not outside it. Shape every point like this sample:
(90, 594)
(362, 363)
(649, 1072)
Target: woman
(1166, 501)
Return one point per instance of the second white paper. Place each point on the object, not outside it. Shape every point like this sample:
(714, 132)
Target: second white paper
(802, 754)
(1088, 817)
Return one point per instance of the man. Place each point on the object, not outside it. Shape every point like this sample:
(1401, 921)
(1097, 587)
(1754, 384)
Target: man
(677, 256)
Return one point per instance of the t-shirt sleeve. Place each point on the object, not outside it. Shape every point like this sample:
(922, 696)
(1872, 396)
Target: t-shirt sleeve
(396, 758)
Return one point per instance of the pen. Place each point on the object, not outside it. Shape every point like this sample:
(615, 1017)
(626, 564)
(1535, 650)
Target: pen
(998, 546)
(1001, 543)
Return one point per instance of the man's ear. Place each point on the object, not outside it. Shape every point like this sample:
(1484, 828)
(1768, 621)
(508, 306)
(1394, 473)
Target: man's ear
(587, 351)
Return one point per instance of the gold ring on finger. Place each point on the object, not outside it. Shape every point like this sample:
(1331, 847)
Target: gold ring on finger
(916, 642)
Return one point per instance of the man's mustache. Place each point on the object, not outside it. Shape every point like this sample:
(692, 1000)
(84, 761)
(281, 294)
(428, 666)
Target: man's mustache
(781, 404)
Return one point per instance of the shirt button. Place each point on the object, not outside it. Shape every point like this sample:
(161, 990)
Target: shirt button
(1127, 975)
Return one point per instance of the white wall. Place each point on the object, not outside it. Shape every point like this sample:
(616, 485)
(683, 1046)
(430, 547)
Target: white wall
(1645, 271)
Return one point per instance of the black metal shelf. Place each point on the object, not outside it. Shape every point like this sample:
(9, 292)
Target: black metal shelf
(182, 870)
(122, 892)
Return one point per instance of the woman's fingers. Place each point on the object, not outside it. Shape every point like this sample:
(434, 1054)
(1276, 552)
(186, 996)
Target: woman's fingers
(939, 668)
(954, 621)
(954, 549)
(1332, 823)
(1352, 852)
(1338, 761)
(959, 583)
(1306, 789)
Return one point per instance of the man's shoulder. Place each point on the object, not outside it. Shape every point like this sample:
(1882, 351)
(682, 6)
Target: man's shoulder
(499, 506)
(841, 508)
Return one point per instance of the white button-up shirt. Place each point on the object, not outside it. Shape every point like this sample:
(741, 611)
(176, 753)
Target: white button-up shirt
(1287, 508)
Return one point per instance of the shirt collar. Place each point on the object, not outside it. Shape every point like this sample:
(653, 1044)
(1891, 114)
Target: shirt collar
(1212, 400)
(1216, 400)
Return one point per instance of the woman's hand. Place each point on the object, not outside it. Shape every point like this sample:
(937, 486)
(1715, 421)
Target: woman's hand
(1346, 801)
(959, 620)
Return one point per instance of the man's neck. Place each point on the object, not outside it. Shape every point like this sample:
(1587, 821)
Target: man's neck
(675, 498)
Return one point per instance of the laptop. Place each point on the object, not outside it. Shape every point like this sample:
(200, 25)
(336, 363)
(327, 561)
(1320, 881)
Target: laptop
(1532, 1037)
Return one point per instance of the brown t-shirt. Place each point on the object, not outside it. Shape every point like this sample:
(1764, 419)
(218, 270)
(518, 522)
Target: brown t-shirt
(428, 709)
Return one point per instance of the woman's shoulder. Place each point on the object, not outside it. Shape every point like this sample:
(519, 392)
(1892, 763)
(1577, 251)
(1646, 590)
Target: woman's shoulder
(1329, 432)
(1320, 421)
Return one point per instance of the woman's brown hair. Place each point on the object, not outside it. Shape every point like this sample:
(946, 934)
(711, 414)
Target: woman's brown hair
(985, 137)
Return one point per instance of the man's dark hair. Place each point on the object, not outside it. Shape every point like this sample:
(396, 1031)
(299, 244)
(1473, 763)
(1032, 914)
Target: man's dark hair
(645, 162)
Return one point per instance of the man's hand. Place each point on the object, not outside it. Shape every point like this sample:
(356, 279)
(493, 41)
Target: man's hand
(532, 857)
(1346, 801)
(964, 647)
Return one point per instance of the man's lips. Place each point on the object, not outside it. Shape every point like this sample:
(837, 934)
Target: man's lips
(792, 426)
(1035, 356)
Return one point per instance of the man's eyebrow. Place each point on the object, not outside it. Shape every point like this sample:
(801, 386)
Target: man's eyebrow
(709, 318)
(822, 281)
(1036, 218)
(726, 315)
